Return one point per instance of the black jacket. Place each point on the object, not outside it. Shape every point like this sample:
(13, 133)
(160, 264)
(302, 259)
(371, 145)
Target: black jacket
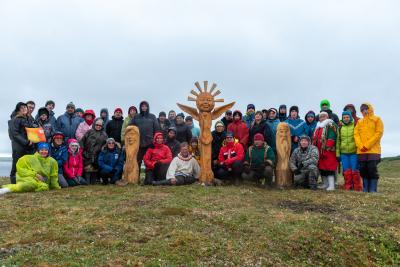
(113, 128)
(218, 139)
(18, 136)
(147, 124)
(174, 146)
(262, 128)
(226, 122)
(164, 127)
(183, 133)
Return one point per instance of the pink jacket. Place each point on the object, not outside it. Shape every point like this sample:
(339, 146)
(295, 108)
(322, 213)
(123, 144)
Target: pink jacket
(73, 167)
(83, 127)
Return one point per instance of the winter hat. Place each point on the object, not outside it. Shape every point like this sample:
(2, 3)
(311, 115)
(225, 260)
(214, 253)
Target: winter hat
(71, 105)
(347, 113)
(325, 102)
(228, 112)
(282, 106)
(251, 106)
(180, 115)
(258, 137)
(42, 145)
(162, 114)
(172, 129)
(274, 110)
(310, 114)
(364, 106)
(305, 137)
(189, 118)
(323, 113)
(89, 112)
(50, 102)
(294, 108)
(42, 111)
(58, 135)
(18, 106)
(118, 109)
(219, 123)
(79, 110)
(110, 140)
(229, 134)
(72, 142)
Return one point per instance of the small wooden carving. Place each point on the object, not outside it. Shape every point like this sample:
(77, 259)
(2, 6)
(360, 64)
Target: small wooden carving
(283, 147)
(205, 114)
(131, 167)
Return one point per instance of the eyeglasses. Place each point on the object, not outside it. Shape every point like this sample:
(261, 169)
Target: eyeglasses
(99, 125)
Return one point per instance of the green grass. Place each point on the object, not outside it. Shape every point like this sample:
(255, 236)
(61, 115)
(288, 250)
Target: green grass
(195, 225)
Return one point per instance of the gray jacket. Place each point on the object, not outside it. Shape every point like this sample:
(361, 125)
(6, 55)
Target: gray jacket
(308, 157)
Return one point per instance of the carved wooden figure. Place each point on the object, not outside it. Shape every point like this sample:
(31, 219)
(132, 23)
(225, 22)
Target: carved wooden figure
(205, 114)
(283, 147)
(131, 167)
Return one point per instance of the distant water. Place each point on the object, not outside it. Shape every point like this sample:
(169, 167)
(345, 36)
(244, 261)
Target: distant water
(5, 168)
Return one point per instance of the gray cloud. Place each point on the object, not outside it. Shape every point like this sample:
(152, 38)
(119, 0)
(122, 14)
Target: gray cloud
(117, 53)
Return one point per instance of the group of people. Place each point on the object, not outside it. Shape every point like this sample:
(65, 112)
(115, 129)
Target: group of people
(82, 148)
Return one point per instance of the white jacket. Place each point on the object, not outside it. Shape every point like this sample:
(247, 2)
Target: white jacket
(187, 166)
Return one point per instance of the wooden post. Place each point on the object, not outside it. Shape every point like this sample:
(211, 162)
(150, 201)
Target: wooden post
(283, 147)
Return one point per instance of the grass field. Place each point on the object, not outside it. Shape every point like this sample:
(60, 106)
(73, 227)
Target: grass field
(195, 225)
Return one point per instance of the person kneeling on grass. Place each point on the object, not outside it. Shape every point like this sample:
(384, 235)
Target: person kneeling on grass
(259, 161)
(111, 162)
(35, 173)
(183, 169)
(73, 167)
(304, 164)
(157, 160)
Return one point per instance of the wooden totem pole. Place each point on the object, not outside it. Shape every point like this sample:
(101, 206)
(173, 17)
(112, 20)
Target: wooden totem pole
(205, 114)
(131, 167)
(283, 148)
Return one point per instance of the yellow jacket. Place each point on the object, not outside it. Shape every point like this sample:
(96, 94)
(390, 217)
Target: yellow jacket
(368, 133)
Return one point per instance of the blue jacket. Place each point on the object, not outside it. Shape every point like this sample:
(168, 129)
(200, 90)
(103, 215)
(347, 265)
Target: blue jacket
(195, 131)
(60, 154)
(273, 124)
(248, 119)
(298, 127)
(67, 124)
(111, 159)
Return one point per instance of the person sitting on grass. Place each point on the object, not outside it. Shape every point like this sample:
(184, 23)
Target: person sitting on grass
(183, 169)
(157, 160)
(259, 161)
(59, 152)
(73, 167)
(304, 164)
(37, 172)
(111, 162)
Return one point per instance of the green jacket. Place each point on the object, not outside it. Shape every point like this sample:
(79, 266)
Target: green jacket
(345, 143)
(255, 156)
(127, 120)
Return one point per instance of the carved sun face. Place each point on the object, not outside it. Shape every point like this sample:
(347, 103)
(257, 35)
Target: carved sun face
(205, 101)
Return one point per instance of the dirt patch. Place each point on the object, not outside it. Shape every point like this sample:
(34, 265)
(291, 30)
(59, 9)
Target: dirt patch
(304, 206)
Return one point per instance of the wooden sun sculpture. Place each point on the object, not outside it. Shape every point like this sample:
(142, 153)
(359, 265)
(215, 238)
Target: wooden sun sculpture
(283, 148)
(205, 113)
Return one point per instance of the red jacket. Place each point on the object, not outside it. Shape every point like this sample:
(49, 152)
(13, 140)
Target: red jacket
(158, 153)
(231, 152)
(326, 147)
(73, 167)
(240, 131)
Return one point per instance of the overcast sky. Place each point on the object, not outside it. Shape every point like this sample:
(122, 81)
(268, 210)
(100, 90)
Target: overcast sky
(117, 53)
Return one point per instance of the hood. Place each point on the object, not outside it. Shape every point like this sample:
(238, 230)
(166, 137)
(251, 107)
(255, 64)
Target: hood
(282, 106)
(45, 111)
(237, 112)
(157, 134)
(308, 113)
(106, 111)
(218, 123)
(148, 108)
(94, 123)
(352, 107)
(371, 111)
(91, 112)
(116, 147)
(73, 141)
(325, 102)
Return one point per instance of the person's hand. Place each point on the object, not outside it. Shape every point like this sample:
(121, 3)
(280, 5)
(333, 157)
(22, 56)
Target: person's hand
(40, 177)
(364, 149)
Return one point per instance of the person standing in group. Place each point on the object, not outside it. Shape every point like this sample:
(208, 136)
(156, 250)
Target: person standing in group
(19, 140)
(239, 129)
(195, 130)
(297, 126)
(183, 132)
(227, 119)
(50, 105)
(367, 135)
(132, 111)
(105, 116)
(352, 109)
(114, 126)
(164, 123)
(325, 105)
(346, 152)
(68, 122)
(218, 135)
(79, 112)
(43, 122)
(272, 121)
(172, 117)
(85, 125)
(248, 118)
(91, 144)
(282, 113)
(260, 126)
(325, 140)
(310, 123)
(148, 126)
(31, 107)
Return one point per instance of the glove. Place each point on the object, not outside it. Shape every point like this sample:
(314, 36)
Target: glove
(364, 149)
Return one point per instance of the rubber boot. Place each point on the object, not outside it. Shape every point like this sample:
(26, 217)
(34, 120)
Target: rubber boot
(348, 177)
(4, 191)
(357, 181)
(373, 186)
(324, 184)
(331, 183)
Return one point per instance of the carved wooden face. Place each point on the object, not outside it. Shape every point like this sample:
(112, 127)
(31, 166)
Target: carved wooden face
(283, 131)
(205, 102)
(131, 138)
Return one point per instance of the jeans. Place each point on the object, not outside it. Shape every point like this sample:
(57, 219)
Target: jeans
(349, 162)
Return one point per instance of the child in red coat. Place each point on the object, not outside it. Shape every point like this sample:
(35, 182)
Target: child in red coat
(73, 167)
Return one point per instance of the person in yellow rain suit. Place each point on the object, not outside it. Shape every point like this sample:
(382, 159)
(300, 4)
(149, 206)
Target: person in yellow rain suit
(35, 173)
